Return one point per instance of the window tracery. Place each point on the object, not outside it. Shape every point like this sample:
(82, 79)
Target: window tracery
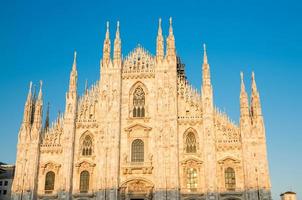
(87, 146)
(190, 145)
(139, 102)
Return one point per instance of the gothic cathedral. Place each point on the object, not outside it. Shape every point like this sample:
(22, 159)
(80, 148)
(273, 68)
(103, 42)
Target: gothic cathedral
(142, 132)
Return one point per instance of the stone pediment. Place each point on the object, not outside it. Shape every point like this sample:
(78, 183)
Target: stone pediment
(194, 159)
(228, 158)
(137, 127)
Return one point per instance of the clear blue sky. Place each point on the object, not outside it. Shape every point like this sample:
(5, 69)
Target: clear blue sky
(37, 40)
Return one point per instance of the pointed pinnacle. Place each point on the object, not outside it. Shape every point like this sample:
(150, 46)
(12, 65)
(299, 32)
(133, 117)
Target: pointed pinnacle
(74, 65)
(242, 82)
(254, 86)
(170, 28)
(117, 35)
(205, 57)
(159, 27)
(40, 91)
(29, 91)
(107, 30)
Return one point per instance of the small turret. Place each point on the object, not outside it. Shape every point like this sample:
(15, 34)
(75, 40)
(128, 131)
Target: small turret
(117, 46)
(159, 43)
(171, 52)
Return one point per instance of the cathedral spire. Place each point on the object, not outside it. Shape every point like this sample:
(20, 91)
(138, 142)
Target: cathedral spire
(171, 54)
(117, 46)
(106, 47)
(73, 75)
(206, 91)
(27, 116)
(255, 99)
(38, 109)
(159, 43)
(206, 76)
(244, 105)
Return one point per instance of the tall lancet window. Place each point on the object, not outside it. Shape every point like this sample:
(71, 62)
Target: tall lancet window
(84, 181)
(137, 151)
(190, 143)
(230, 179)
(139, 102)
(87, 146)
(49, 182)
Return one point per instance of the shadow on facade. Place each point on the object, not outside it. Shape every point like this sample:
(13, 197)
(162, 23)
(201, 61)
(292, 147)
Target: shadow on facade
(148, 193)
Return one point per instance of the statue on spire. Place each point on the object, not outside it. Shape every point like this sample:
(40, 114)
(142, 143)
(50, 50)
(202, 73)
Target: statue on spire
(159, 43)
(255, 99)
(206, 77)
(73, 75)
(244, 104)
(117, 46)
(171, 52)
(106, 47)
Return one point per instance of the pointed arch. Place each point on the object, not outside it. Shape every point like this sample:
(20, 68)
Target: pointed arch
(86, 144)
(190, 141)
(138, 100)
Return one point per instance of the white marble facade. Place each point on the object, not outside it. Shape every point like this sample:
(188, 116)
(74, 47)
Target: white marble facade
(142, 132)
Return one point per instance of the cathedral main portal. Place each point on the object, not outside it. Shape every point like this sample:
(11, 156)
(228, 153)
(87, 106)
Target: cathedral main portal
(137, 190)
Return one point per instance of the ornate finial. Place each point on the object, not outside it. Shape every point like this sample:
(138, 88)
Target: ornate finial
(205, 57)
(170, 28)
(74, 65)
(117, 34)
(40, 91)
(254, 86)
(29, 91)
(242, 82)
(159, 27)
(107, 30)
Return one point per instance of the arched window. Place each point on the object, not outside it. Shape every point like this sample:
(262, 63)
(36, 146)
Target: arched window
(230, 179)
(190, 143)
(192, 179)
(139, 102)
(137, 151)
(49, 182)
(87, 146)
(84, 182)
